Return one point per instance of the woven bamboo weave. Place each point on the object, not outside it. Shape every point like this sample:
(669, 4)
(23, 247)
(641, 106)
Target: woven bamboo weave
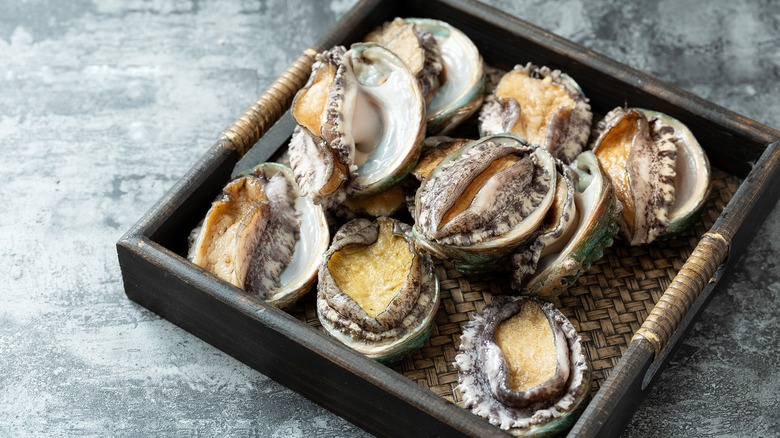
(607, 305)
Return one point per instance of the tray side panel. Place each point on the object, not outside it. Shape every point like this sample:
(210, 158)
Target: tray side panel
(613, 406)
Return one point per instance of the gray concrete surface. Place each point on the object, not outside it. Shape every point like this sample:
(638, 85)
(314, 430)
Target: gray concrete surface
(104, 104)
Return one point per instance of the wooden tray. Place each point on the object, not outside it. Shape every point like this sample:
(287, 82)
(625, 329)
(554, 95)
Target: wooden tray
(631, 307)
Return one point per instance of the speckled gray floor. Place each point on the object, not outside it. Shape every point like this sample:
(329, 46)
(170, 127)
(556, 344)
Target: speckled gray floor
(104, 104)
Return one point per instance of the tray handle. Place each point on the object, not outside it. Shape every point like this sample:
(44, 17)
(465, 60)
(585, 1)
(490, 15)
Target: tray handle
(269, 107)
(685, 288)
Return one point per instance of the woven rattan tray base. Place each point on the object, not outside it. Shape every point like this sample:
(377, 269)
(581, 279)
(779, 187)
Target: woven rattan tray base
(607, 305)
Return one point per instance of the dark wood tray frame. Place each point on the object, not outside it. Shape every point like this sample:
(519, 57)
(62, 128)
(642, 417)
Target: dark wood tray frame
(375, 397)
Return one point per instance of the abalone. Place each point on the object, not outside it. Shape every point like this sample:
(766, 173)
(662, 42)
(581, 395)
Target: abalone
(260, 235)
(660, 172)
(576, 231)
(361, 123)
(484, 200)
(462, 79)
(456, 92)
(522, 366)
(376, 293)
(544, 106)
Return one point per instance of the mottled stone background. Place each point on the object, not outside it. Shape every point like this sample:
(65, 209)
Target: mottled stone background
(104, 104)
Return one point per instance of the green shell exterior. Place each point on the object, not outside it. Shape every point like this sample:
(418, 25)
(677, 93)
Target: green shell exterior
(587, 252)
(401, 351)
(467, 259)
(683, 224)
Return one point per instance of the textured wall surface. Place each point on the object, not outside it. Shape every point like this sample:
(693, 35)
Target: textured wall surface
(105, 104)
